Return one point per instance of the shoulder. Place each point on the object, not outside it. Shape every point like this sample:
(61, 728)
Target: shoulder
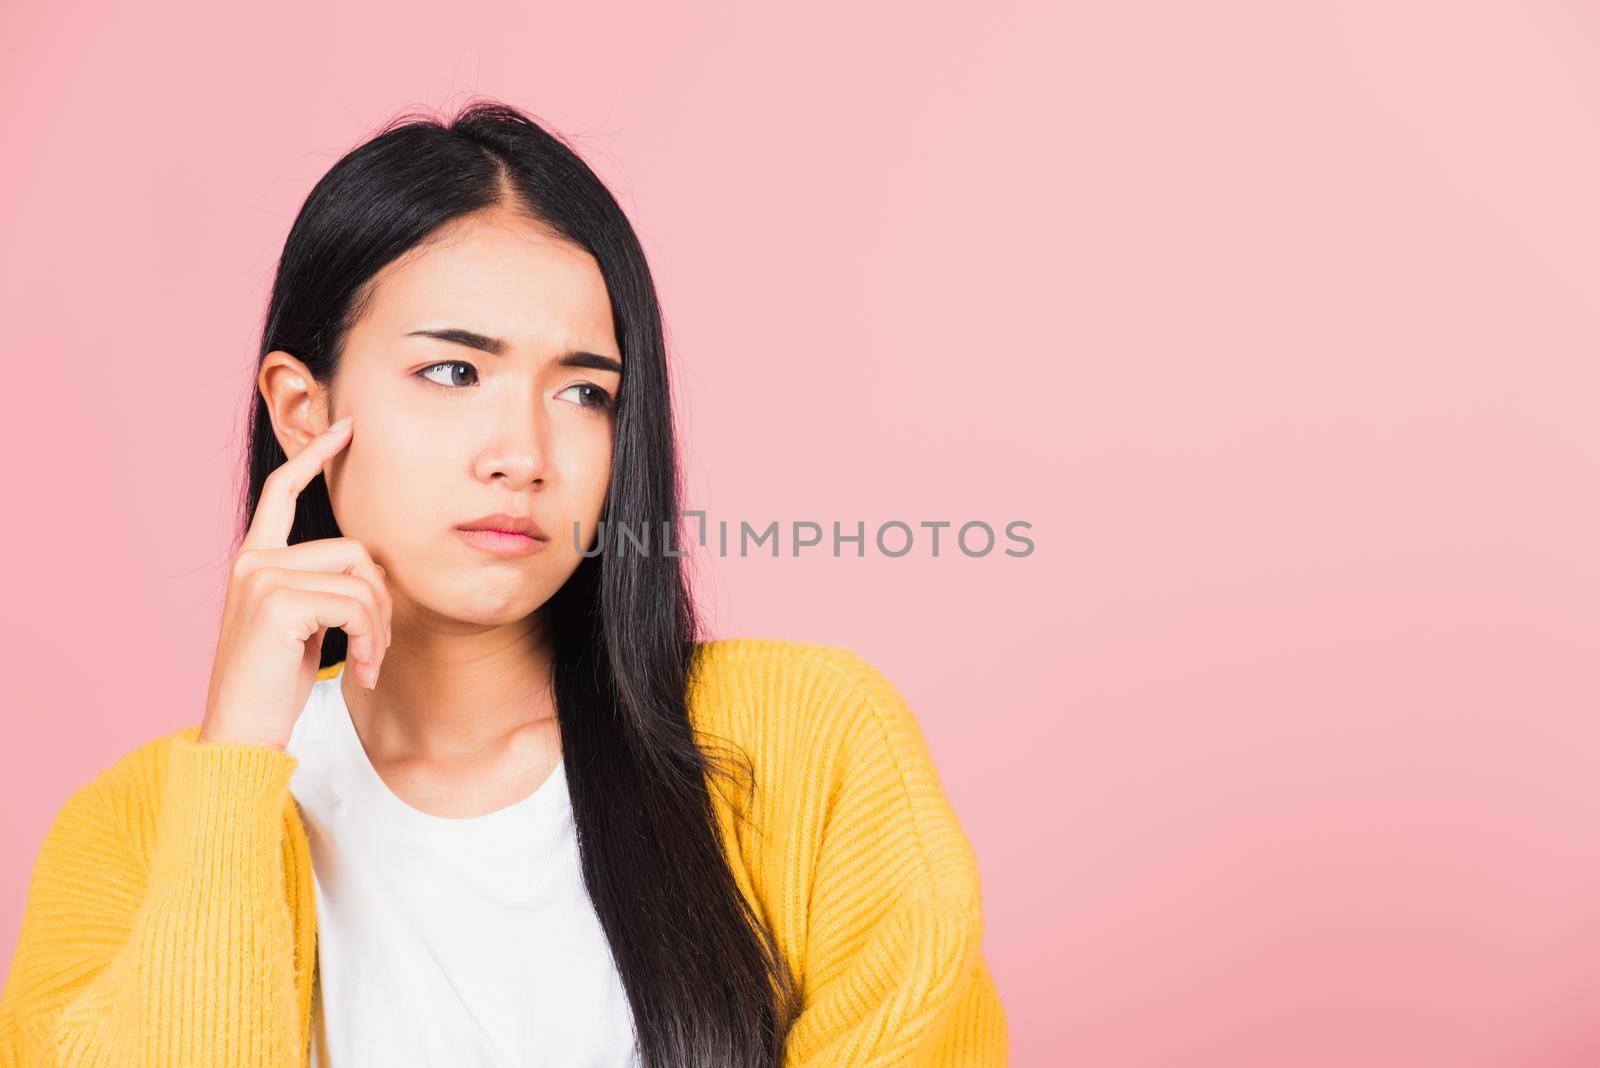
(766, 686)
(113, 813)
(782, 658)
(781, 655)
(839, 748)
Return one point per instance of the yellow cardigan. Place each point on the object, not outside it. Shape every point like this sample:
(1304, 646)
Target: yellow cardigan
(170, 919)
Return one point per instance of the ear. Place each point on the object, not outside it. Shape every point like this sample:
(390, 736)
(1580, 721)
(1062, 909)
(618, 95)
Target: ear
(299, 407)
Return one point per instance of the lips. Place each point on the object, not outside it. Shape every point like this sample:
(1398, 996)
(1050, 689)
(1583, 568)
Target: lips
(507, 523)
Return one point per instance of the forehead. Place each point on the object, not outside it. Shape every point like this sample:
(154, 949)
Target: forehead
(496, 275)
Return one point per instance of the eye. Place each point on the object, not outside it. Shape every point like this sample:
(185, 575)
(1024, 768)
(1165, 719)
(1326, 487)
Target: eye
(448, 363)
(598, 399)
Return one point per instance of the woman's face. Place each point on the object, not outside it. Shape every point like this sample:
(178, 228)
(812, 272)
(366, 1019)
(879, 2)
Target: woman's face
(446, 433)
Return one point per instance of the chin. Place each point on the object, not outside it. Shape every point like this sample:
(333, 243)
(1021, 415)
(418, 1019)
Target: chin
(492, 600)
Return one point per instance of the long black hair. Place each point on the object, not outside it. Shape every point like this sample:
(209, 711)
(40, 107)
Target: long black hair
(705, 980)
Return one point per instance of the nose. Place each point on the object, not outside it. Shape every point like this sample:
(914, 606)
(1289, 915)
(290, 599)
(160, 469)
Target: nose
(516, 452)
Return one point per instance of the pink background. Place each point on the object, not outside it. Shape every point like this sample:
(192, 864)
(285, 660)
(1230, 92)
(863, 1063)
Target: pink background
(1277, 321)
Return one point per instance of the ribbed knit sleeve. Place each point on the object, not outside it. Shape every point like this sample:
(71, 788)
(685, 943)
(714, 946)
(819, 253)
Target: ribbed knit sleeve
(156, 930)
(876, 891)
(894, 970)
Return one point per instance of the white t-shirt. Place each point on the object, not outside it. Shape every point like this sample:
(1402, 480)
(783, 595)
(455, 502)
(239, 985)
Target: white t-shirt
(462, 942)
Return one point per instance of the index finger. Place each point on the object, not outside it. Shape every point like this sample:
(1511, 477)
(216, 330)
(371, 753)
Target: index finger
(275, 510)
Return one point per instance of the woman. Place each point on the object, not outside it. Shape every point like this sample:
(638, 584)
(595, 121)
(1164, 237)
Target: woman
(558, 828)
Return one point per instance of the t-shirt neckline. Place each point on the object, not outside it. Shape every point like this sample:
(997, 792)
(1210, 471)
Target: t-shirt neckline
(535, 807)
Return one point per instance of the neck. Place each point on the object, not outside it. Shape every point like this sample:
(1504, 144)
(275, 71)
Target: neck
(448, 694)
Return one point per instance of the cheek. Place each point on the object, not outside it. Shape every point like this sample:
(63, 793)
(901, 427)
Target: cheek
(602, 464)
(387, 458)
(588, 472)
(388, 475)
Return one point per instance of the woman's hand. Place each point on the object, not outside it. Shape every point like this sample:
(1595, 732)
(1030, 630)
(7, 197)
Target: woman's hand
(280, 601)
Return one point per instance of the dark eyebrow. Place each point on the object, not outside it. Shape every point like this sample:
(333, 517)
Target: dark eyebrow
(495, 347)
